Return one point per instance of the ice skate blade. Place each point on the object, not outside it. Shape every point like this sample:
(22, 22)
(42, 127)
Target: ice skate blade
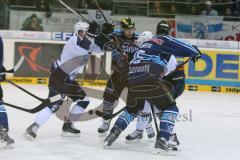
(28, 136)
(68, 134)
(5, 146)
(158, 151)
(105, 145)
(135, 141)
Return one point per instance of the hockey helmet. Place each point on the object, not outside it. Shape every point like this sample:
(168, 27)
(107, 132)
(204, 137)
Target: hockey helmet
(163, 27)
(127, 23)
(143, 37)
(81, 26)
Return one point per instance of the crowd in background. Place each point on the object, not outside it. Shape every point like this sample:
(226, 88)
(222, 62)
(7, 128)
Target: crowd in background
(196, 7)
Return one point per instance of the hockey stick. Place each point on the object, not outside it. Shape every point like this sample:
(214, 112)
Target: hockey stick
(155, 120)
(101, 11)
(101, 114)
(38, 108)
(24, 90)
(86, 20)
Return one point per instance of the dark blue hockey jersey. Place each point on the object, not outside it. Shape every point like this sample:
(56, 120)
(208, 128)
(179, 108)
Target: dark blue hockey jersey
(160, 48)
(128, 45)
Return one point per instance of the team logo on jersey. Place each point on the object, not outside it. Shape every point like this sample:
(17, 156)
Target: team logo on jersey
(129, 47)
(157, 41)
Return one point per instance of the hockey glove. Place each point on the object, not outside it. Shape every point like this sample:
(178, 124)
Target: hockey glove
(107, 28)
(94, 29)
(195, 59)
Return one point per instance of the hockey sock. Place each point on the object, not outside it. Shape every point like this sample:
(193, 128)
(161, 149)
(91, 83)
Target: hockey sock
(43, 116)
(107, 107)
(167, 121)
(144, 117)
(142, 121)
(75, 112)
(3, 117)
(124, 120)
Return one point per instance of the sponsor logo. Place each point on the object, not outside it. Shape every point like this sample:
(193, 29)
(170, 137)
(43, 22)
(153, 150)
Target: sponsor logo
(146, 45)
(61, 36)
(215, 89)
(139, 69)
(233, 90)
(193, 88)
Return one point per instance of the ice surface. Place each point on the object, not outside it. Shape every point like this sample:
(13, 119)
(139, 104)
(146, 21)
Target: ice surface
(213, 133)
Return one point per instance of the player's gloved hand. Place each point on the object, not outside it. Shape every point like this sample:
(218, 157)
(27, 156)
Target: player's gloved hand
(197, 57)
(94, 29)
(2, 74)
(107, 28)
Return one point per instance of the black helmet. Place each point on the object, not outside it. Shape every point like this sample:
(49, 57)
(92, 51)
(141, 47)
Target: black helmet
(163, 27)
(127, 23)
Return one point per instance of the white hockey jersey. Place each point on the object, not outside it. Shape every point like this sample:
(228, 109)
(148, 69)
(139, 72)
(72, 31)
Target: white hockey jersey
(75, 54)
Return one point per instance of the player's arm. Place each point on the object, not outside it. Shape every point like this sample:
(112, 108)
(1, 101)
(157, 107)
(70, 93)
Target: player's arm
(104, 36)
(179, 48)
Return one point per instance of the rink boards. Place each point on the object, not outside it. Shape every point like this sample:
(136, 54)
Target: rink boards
(218, 70)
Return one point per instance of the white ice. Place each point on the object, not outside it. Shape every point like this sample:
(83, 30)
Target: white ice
(213, 133)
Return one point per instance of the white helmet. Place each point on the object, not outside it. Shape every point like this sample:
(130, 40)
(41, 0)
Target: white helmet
(81, 26)
(143, 37)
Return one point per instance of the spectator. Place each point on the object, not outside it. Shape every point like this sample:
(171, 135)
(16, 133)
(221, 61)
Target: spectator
(209, 11)
(156, 7)
(236, 8)
(43, 5)
(32, 23)
(228, 12)
(173, 9)
(193, 10)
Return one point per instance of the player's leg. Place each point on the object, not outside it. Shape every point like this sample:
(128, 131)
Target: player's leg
(124, 119)
(41, 118)
(121, 124)
(170, 111)
(163, 143)
(113, 90)
(78, 95)
(143, 122)
(5, 140)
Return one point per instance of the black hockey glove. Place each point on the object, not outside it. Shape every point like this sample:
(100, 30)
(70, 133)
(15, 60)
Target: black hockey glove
(94, 29)
(107, 28)
(197, 57)
(2, 74)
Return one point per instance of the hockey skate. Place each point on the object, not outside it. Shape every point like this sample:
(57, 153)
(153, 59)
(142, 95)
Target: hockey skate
(173, 140)
(30, 133)
(163, 147)
(135, 135)
(6, 142)
(69, 131)
(111, 137)
(102, 130)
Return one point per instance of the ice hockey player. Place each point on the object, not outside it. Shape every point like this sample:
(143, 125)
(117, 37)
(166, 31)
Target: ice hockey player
(145, 82)
(126, 37)
(5, 141)
(177, 78)
(74, 56)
